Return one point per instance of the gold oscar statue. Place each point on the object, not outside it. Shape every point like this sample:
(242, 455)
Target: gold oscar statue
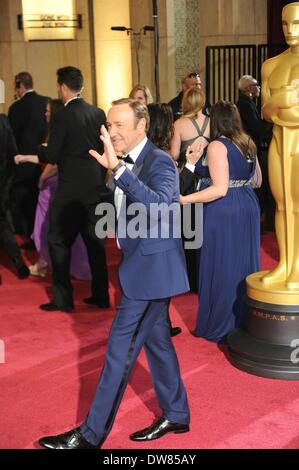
(280, 97)
(265, 346)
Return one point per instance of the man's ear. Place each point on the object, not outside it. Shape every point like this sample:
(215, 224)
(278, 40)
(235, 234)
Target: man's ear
(141, 125)
(64, 88)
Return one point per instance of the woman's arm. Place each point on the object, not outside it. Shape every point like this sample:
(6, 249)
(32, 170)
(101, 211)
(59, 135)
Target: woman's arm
(257, 179)
(26, 159)
(49, 170)
(175, 145)
(219, 173)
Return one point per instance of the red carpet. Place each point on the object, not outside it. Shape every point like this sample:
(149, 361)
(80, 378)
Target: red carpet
(53, 360)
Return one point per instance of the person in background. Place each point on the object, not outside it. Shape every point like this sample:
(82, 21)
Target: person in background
(79, 266)
(189, 130)
(81, 185)
(261, 132)
(193, 126)
(249, 91)
(141, 93)
(231, 226)
(160, 132)
(191, 79)
(28, 122)
(8, 149)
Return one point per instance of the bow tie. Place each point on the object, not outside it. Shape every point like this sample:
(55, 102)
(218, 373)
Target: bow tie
(128, 159)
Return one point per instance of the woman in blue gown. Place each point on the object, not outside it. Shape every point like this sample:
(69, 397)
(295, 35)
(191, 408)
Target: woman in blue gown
(231, 224)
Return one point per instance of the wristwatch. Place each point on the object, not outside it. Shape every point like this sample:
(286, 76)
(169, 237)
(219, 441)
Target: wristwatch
(117, 167)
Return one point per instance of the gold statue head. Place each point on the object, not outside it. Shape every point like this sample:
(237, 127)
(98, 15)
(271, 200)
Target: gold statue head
(290, 23)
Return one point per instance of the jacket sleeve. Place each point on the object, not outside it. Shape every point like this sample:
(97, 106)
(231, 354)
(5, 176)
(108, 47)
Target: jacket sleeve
(15, 117)
(10, 150)
(251, 120)
(162, 180)
(187, 181)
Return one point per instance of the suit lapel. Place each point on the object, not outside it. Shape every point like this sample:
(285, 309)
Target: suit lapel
(140, 160)
(138, 166)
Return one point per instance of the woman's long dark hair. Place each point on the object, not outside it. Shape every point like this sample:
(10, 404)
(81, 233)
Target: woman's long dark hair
(226, 121)
(55, 105)
(161, 125)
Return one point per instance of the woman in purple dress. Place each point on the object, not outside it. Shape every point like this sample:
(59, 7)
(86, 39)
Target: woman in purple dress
(47, 185)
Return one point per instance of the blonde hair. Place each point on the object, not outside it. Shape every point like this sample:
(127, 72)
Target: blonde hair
(145, 90)
(193, 101)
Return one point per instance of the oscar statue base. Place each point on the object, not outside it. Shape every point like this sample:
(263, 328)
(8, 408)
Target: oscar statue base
(269, 344)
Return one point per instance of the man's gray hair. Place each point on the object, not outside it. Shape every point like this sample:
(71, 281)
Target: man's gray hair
(139, 109)
(245, 81)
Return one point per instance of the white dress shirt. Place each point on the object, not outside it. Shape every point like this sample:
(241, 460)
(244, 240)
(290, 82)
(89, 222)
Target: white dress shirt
(71, 99)
(134, 154)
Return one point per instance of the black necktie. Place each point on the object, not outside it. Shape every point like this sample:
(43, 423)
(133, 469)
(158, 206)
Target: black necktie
(128, 159)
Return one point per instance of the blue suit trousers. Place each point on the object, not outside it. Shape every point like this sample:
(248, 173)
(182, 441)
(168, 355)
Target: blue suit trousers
(137, 324)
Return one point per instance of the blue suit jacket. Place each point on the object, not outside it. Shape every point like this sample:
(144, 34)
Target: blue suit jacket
(152, 268)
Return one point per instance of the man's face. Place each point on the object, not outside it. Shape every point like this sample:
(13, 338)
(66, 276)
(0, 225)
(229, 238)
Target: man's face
(62, 92)
(59, 92)
(139, 96)
(191, 81)
(19, 90)
(48, 113)
(254, 89)
(124, 131)
(290, 24)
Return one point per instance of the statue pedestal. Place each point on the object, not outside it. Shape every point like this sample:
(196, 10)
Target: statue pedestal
(269, 344)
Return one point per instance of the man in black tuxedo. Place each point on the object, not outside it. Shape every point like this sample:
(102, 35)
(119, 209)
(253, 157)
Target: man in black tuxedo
(8, 150)
(253, 124)
(261, 132)
(75, 130)
(188, 81)
(27, 119)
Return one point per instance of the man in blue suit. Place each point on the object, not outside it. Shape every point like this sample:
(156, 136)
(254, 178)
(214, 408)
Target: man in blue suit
(152, 270)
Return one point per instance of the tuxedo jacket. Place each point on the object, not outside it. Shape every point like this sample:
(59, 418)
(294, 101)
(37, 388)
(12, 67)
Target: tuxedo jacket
(176, 105)
(8, 149)
(74, 131)
(28, 122)
(253, 125)
(151, 268)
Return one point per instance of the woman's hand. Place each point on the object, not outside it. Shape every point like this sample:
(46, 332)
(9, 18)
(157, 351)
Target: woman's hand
(41, 182)
(194, 152)
(108, 159)
(20, 159)
(182, 199)
(26, 159)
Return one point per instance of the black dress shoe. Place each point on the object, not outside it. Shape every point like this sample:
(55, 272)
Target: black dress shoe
(23, 271)
(69, 440)
(175, 330)
(21, 267)
(159, 429)
(94, 301)
(28, 245)
(51, 307)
